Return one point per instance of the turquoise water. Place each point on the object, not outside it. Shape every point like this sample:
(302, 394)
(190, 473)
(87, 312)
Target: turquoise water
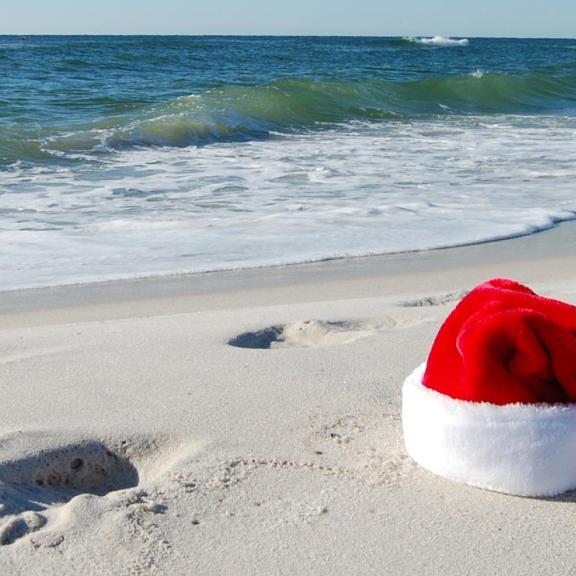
(126, 156)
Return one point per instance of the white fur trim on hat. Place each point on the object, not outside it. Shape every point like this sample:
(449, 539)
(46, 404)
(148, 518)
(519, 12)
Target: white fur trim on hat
(522, 449)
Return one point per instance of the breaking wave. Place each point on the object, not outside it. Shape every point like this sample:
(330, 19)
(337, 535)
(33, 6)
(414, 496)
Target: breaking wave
(240, 113)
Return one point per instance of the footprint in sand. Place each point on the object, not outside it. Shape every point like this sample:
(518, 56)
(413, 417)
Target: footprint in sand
(40, 478)
(33, 483)
(310, 334)
(89, 467)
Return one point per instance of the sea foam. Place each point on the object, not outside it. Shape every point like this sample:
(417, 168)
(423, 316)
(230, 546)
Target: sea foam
(368, 189)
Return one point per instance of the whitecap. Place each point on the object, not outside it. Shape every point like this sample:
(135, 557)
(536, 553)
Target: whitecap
(441, 41)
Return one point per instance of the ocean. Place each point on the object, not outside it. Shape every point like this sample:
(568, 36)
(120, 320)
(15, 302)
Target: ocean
(136, 156)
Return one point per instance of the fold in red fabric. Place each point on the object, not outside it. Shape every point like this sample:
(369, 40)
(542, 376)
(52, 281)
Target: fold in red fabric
(504, 344)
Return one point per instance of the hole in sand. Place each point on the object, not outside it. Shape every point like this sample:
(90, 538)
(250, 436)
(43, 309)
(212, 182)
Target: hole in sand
(76, 464)
(307, 334)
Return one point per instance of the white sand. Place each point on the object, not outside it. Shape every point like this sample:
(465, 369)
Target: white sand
(218, 459)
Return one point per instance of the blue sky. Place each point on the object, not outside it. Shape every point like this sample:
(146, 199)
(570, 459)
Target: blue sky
(551, 18)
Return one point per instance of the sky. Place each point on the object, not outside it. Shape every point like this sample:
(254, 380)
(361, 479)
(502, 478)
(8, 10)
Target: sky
(525, 18)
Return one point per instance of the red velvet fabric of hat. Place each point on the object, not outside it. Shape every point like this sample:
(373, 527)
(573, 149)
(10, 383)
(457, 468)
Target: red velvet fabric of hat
(504, 344)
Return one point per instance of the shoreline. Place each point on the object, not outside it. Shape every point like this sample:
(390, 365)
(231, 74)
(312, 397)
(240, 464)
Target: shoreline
(556, 242)
(177, 275)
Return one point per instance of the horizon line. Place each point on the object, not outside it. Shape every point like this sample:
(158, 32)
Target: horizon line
(266, 35)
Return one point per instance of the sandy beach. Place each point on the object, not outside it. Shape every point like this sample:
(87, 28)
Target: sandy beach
(249, 423)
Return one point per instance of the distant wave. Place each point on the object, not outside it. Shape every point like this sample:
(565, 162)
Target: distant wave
(292, 105)
(439, 41)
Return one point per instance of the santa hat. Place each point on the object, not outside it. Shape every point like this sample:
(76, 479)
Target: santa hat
(494, 406)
